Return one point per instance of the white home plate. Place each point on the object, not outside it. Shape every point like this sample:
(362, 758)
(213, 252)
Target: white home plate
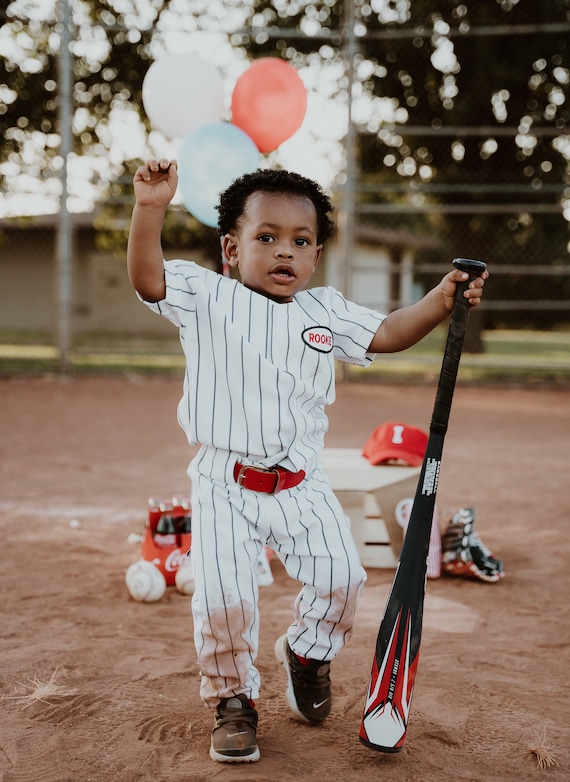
(440, 613)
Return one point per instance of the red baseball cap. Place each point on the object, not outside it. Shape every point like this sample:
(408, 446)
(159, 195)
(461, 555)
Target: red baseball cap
(395, 441)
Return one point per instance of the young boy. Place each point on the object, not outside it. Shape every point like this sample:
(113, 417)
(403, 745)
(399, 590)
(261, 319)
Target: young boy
(259, 373)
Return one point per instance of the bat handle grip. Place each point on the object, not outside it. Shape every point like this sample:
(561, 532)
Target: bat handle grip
(454, 344)
(473, 268)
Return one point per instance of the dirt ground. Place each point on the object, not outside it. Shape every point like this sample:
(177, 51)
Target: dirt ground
(80, 459)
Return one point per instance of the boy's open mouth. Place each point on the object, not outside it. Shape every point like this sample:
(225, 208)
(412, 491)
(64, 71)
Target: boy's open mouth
(285, 272)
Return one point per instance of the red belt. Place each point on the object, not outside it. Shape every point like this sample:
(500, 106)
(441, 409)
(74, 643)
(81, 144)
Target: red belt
(270, 480)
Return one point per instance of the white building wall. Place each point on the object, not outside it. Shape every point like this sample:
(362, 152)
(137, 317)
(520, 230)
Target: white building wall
(370, 281)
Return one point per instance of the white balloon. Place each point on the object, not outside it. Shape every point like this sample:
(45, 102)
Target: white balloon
(181, 92)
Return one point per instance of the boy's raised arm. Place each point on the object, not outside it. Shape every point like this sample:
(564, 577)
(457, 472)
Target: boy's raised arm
(408, 325)
(155, 184)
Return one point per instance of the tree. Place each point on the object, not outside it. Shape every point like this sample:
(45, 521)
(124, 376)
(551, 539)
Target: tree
(113, 45)
(467, 122)
(458, 105)
(111, 52)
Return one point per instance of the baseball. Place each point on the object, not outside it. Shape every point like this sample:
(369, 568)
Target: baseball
(184, 579)
(145, 582)
(402, 511)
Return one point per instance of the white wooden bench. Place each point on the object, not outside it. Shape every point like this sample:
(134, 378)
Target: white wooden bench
(369, 494)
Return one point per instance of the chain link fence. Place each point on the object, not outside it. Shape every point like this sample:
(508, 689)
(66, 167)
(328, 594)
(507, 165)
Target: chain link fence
(459, 146)
(517, 227)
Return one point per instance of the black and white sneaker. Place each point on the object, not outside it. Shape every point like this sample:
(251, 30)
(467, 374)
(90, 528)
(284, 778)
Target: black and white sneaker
(309, 684)
(464, 554)
(234, 737)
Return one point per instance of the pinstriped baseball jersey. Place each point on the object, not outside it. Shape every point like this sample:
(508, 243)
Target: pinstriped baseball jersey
(259, 373)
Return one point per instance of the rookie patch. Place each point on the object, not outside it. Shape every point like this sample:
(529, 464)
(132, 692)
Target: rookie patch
(319, 338)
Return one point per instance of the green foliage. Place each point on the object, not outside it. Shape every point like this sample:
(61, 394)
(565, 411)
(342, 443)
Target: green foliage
(469, 107)
(432, 73)
(111, 53)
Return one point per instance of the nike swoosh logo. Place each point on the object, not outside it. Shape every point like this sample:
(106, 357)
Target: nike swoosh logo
(318, 705)
(240, 733)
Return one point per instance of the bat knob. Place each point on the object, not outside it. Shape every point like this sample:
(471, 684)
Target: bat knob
(473, 268)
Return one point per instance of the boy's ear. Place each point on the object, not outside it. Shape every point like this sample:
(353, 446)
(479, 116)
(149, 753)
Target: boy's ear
(318, 251)
(230, 249)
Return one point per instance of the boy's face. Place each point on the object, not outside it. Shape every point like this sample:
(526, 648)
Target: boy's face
(275, 246)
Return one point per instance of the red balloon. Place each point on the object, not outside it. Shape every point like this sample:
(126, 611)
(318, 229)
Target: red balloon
(269, 102)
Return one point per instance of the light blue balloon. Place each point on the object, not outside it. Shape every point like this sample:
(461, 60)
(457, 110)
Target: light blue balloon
(210, 158)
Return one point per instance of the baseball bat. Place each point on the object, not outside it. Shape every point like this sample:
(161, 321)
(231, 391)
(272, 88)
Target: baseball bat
(387, 706)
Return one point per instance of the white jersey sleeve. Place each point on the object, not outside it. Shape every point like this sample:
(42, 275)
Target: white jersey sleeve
(353, 326)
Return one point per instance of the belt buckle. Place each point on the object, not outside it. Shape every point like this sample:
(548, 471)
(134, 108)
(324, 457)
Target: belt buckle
(241, 474)
(273, 470)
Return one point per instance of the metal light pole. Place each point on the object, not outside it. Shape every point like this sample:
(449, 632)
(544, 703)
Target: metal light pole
(347, 212)
(64, 228)
(348, 201)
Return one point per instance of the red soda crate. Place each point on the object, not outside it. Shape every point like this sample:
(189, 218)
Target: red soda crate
(167, 535)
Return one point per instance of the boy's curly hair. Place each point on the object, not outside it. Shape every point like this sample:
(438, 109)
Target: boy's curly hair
(231, 207)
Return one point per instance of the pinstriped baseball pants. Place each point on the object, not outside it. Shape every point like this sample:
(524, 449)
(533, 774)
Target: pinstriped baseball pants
(308, 529)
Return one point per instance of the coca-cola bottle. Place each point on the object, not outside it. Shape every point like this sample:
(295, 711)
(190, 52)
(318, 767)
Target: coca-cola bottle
(182, 515)
(154, 514)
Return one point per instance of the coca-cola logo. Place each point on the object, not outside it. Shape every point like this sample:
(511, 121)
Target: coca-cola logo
(165, 540)
(175, 560)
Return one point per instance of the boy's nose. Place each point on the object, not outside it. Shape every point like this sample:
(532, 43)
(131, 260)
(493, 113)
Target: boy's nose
(283, 251)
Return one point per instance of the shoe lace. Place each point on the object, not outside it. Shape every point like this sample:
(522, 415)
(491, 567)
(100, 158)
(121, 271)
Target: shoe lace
(314, 674)
(235, 709)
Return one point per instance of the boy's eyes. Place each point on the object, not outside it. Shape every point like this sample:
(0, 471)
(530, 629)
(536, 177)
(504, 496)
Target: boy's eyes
(301, 241)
